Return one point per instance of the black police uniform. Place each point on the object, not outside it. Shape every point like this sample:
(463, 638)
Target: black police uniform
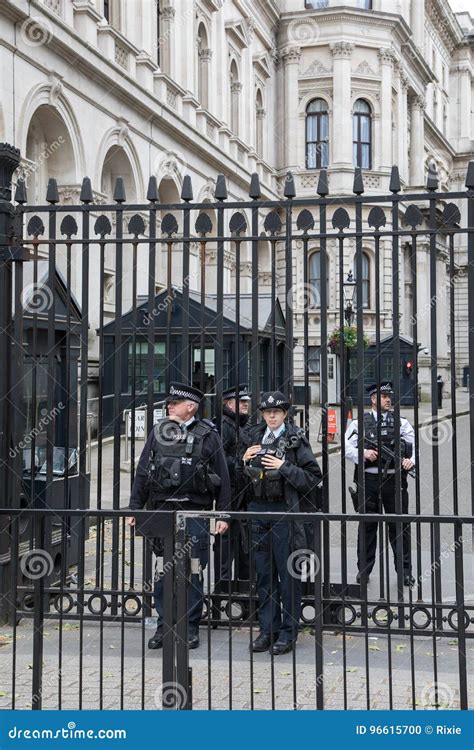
(183, 469)
(232, 546)
(386, 427)
(273, 542)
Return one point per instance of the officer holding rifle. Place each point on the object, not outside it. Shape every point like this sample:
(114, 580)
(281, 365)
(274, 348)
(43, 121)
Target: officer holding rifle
(379, 477)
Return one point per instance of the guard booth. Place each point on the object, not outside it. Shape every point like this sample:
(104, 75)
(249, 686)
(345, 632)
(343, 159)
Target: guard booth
(387, 365)
(68, 489)
(128, 339)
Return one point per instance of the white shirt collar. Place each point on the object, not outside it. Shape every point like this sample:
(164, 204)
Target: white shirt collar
(277, 432)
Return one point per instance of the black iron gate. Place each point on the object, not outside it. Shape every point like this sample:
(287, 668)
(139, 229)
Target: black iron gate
(88, 349)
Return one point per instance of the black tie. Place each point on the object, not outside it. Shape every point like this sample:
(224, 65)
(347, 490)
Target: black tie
(270, 438)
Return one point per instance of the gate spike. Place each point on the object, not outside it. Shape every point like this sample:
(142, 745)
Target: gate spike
(470, 176)
(152, 192)
(358, 187)
(290, 190)
(432, 179)
(86, 191)
(395, 185)
(119, 191)
(254, 190)
(52, 194)
(187, 189)
(323, 187)
(20, 191)
(221, 188)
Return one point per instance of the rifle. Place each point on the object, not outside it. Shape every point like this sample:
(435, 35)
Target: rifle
(389, 456)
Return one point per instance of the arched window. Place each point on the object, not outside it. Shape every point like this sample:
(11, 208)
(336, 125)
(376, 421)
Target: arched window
(317, 134)
(362, 135)
(259, 120)
(315, 279)
(235, 89)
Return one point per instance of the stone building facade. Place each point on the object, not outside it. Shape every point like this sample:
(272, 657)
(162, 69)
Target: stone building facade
(147, 87)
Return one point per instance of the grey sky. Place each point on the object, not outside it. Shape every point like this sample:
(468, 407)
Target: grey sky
(459, 5)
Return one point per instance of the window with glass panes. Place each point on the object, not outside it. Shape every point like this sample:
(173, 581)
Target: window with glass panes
(317, 134)
(315, 279)
(362, 135)
(139, 374)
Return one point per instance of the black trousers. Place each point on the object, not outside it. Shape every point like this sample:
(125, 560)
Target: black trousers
(229, 548)
(369, 530)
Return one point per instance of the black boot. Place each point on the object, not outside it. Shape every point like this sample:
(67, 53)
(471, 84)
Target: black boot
(156, 641)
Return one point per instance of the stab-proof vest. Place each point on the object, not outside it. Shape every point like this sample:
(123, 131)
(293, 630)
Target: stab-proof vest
(176, 469)
(267, 484)
(387, 434)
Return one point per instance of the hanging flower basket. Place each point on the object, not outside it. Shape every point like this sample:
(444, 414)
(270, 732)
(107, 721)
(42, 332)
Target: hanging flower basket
(346, 335)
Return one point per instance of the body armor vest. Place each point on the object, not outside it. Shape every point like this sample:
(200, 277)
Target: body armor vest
(387, 439)
(176, 467)
(267, 484)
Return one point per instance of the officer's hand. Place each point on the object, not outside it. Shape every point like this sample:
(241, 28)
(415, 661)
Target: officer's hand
(130, 521)
(407, 464)
(251, 452)
(221, 527)
(272, 462)
(370, 455)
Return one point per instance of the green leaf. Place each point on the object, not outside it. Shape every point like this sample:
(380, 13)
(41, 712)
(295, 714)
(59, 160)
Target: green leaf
(400, 647)
(352, 669)
(453, 642)
(374, 648)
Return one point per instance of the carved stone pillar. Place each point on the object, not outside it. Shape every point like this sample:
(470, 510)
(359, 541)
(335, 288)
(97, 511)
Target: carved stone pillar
(291, 58)
(417, 150)
(342, 126)
(166, 39)
(386, 61)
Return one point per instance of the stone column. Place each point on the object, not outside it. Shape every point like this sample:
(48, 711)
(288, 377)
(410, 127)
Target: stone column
(417, 140)
(166, 41)
(291, 57)
(341, 141)
(465, 89)
(417, 22)
(386, 60)
(205, 57)
(260, 131)
(403, 125)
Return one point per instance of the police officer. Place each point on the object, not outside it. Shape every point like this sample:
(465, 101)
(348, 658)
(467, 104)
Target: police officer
(373, 467)
(183, 467)
(281, 469)
(230, 546)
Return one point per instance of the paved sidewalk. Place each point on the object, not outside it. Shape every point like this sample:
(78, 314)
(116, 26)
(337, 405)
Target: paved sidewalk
(344, 661)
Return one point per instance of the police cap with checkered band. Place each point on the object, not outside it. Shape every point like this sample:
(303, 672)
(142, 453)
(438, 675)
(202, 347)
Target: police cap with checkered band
(274, 400)
(182, 392)
(386, 386)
